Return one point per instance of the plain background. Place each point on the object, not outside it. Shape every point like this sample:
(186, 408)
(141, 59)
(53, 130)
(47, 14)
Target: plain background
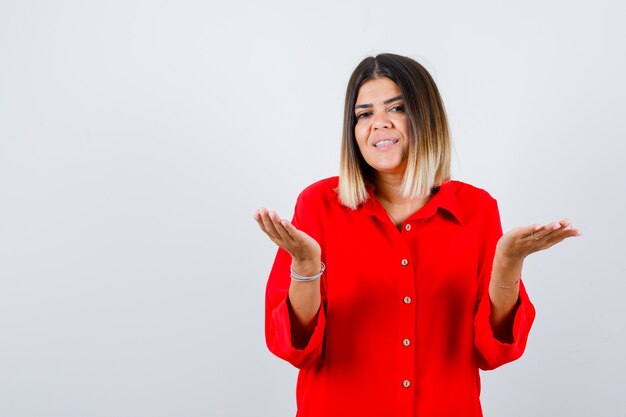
(138, 137)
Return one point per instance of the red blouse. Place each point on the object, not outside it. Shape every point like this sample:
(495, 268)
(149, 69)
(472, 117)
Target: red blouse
(404, 324)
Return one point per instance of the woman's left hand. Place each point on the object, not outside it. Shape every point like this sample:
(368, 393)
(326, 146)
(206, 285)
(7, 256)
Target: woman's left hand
(520, 242)
(511, 250)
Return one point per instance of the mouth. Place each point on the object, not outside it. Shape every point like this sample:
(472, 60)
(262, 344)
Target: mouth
(385, 143)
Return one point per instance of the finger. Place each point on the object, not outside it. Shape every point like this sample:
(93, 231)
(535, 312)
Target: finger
(545, 230)
(305, 246)
(569, 227)
(282, 237)
(303, 241)
(293, 231)
(269, 226)
(563, 233)
(565, 223)
(531, 231)
(259, 219)
(549, 229)
(280, 228)
(555, 238)
(548, 243)
(563, 229)
(572, 231)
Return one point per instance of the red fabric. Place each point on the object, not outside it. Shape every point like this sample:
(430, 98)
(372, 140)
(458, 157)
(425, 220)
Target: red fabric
(355, 361)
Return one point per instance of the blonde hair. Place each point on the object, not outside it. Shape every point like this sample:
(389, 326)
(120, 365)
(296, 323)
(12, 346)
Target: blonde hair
(429, 150)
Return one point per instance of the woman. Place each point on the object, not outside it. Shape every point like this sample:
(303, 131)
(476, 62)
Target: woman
(393, 284)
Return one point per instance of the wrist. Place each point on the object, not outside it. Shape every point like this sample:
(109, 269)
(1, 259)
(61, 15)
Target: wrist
(507, 271)
(306, 267)
(507, 262)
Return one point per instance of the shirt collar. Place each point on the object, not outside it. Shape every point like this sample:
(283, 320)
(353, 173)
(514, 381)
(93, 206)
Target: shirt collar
(446, 198)
(443, 197)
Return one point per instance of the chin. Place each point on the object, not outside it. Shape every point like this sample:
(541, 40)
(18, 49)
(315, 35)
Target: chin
(389, 170)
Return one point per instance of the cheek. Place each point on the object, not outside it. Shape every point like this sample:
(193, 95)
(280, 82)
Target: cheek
(361, 133)
(401, 125)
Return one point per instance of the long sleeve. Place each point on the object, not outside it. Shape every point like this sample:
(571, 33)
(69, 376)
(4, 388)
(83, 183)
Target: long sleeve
(490, 352)
(284, 336)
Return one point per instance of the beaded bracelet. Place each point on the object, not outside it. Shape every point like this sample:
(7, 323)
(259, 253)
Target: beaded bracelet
(301, 278)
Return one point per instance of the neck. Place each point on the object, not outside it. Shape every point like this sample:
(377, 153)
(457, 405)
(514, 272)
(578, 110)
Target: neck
(389, 189)
(389, 192)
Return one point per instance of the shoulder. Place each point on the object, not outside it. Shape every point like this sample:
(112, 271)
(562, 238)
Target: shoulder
(321, 191)
(468, 193)
(468, 202)
(316, 204)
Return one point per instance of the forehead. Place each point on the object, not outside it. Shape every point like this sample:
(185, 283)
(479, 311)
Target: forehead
(377, 90)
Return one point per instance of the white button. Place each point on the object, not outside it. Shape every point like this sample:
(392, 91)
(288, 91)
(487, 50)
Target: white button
(407, 300)
(406, 383)
(404, 262)
(406, 342)
(407, 227)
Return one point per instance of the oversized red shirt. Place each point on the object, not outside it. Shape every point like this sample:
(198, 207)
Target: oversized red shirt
(404, 323)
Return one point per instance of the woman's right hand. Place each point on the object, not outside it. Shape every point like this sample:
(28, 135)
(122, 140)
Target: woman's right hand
(304, 297)
(304, 250)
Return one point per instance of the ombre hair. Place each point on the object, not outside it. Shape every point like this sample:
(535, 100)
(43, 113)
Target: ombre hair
(429, 149)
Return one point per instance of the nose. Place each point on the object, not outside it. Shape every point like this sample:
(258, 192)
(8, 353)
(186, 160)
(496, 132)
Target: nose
(381, 121)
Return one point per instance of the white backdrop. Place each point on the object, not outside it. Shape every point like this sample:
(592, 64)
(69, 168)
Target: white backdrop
(138, 137)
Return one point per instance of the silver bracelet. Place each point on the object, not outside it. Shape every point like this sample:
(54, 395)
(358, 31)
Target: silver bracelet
(301, 278)
(506, 286)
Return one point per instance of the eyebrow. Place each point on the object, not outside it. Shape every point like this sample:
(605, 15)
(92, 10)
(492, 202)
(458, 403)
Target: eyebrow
(361, 106)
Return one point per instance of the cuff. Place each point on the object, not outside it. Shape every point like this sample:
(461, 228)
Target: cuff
(491, 351)
(300, 347)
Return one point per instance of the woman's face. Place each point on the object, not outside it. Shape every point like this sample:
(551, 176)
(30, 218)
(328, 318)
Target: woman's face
(381, 129)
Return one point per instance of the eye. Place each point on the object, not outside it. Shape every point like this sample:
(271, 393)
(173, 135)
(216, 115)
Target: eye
(363, 115)
(398, 108)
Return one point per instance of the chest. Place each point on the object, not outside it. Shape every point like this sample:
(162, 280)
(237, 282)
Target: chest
(372, 258)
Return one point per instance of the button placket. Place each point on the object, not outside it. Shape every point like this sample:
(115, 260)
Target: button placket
(406, 352)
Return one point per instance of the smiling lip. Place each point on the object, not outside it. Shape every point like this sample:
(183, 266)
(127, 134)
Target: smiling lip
(385, 143)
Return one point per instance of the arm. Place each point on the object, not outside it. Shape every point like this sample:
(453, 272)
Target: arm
(511, 250)
(304, 297)
(294, 317)
(504, 312)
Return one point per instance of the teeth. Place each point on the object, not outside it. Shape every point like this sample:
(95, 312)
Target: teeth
(385, 142)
